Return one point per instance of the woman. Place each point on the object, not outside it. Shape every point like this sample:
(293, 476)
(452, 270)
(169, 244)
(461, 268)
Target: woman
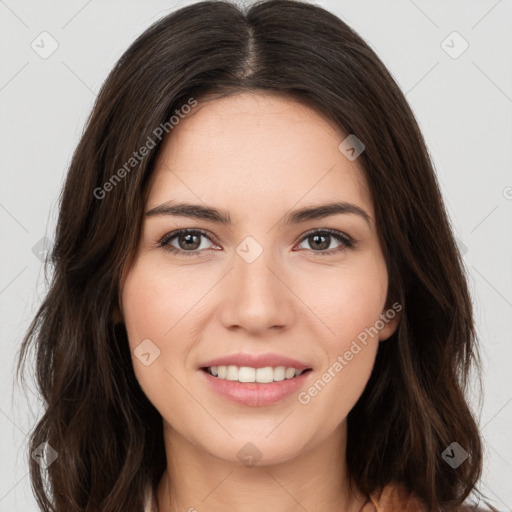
(256, 302)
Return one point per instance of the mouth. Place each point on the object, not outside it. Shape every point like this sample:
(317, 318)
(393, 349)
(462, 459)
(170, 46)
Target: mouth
(247, 374)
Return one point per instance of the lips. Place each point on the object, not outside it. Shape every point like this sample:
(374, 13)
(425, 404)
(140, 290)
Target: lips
(256, 361)
(255, 394)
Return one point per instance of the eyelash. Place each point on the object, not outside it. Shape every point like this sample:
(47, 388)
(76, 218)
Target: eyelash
(346, 241)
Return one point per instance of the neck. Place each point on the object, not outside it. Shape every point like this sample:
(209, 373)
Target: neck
(315, 480)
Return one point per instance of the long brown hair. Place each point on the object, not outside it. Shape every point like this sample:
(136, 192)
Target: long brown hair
(107, 434)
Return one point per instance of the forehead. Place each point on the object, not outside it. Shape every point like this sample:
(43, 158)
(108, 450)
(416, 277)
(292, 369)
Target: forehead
(258, 151)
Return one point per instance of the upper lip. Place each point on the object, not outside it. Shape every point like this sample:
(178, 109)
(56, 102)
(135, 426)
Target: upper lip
(256, 361)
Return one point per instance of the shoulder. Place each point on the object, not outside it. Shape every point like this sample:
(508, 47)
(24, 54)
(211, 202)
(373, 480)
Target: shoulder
(466, 507)
(394, 497)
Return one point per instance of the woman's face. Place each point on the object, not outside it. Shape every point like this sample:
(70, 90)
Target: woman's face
(266, 283)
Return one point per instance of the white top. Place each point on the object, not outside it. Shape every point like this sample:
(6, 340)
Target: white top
(150, 503)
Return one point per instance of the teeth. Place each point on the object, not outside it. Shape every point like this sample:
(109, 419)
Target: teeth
(248, 374)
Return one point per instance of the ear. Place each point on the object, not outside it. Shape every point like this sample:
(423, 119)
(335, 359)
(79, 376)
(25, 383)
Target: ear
(390, 317)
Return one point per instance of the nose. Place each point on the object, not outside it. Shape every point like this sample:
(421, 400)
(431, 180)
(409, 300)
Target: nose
(257, 296)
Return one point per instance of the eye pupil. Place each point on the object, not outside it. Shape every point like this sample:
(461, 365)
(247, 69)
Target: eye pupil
(189, 246)
(323, 245)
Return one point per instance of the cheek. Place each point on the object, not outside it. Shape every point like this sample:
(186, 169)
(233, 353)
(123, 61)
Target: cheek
(154, 316)
(349, 300)
(349, 305)
(349, 354)
(338, 386)
(152, 313)
(156, 301)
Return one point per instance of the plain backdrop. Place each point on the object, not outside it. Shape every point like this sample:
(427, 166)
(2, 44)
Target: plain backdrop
(452, 59)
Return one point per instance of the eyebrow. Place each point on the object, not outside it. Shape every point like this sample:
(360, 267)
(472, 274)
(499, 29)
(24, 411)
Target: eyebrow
(222, 217)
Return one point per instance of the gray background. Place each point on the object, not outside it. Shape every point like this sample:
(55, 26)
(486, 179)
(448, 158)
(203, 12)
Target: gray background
(463, 106)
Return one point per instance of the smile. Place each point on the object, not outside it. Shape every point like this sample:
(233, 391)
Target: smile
(254, 393)
(249, 374)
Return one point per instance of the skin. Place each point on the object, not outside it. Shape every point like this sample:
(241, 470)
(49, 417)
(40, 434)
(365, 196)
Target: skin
(256, 156)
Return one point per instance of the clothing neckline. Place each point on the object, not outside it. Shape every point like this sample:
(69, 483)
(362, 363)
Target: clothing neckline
(387, 498)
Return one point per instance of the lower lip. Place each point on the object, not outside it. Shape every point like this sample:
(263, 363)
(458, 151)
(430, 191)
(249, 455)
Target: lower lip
(255, 394)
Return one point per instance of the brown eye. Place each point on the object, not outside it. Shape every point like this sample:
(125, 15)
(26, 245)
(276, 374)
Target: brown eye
(188, 241)
(320, 241)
